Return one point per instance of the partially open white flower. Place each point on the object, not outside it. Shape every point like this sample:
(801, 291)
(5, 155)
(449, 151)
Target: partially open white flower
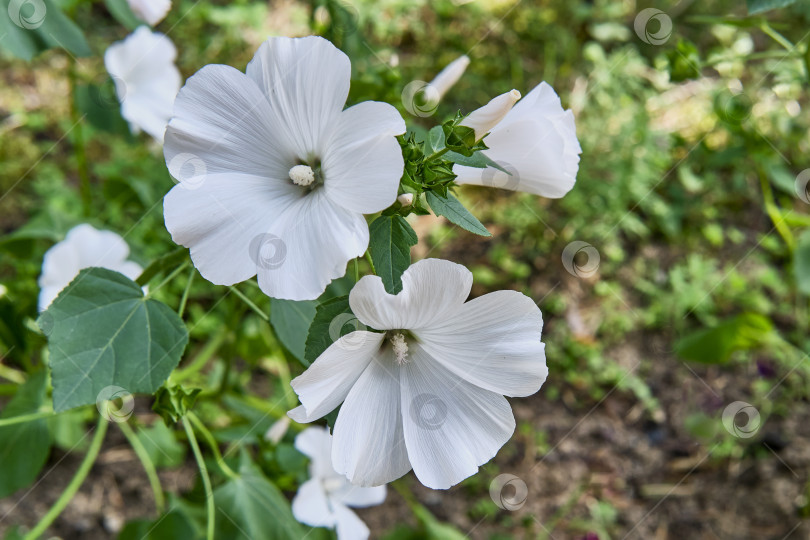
(324, 499)
(450, 75)
(536, 141)
(487, 117)
(428, 393)
(150, 11)
(146, 79)
(83, 247)
(281, 174)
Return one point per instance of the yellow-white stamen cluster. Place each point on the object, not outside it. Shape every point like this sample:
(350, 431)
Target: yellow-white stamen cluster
(302, 175)
(400, 347)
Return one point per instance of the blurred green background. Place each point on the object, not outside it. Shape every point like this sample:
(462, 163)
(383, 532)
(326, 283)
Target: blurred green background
(691, 297)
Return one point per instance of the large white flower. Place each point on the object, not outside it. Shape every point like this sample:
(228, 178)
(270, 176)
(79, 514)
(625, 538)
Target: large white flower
(428, 393)
(146, 79)
(150, 11)
(274, 175)
(324, 499)
(536, 141)
(83, 247)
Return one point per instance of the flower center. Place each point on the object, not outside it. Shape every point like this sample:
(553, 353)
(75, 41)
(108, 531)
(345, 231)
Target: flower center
(400, 347)
(302, 175)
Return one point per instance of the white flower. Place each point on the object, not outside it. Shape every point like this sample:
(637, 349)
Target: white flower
(83, 247)
(428, 393)
(150, 11)
(536, 142)
(487, 117)
(274, 175)
(323, 500)
(146, 79)
(449, 76)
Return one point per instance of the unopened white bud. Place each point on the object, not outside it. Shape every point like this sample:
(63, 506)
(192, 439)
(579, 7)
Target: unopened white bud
(484, 119)
(450, 75)
(406, 199)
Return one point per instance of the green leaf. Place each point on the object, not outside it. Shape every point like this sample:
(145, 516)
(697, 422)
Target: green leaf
(391, 238)
(801, 263)
(103, 332)
(435, 529)
(716, 345)
(24, 447)
(291, 321)
(478, 160)
(435, 140)
(169, 526)
(250, 506)
(760, 6)
(333, 319)
(161, 445)
(100, 106)
(122, 13)
(452, 209)
(58, 30)
(28, 28)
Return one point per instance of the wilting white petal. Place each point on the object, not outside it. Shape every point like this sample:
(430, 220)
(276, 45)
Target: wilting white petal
(363, 160)
(451, 426)
(311, 506)
(492, 342)
(278, 430)
(349, 526)
(146, 79)
(83, 247)
(150, 11)
(484, 119)
(432, 289)
(536, 142)
(368, 446)
(326, 383)
(450, 75)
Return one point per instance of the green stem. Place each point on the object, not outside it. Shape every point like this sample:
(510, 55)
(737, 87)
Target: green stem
(356, 269)
(184, 299)
(11, 374)
(75, 483)
(776, 36)
(267, 408)
(250, 304)
(368, 257)
(148, 466)
(437, 154)
(24, 418)
(209, 438)
(775, 214)
(203, 357)
(85, 189)
(168, 278)
(209, 494)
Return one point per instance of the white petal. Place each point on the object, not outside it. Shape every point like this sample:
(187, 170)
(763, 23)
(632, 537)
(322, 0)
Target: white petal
(363, 161)
(223, 220)
(310, 505)
(450, 75)
(146, 79)
(326, 383)
(431, 290)
(349, 525)
(537, 143)
(451, 426)
(492, 342)
(368, 446)
(150, 11)
(223, 124)
(362, 497)
(484, 119)
(97, 248)
(316, 444)
(314, 240)
(306, 81)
